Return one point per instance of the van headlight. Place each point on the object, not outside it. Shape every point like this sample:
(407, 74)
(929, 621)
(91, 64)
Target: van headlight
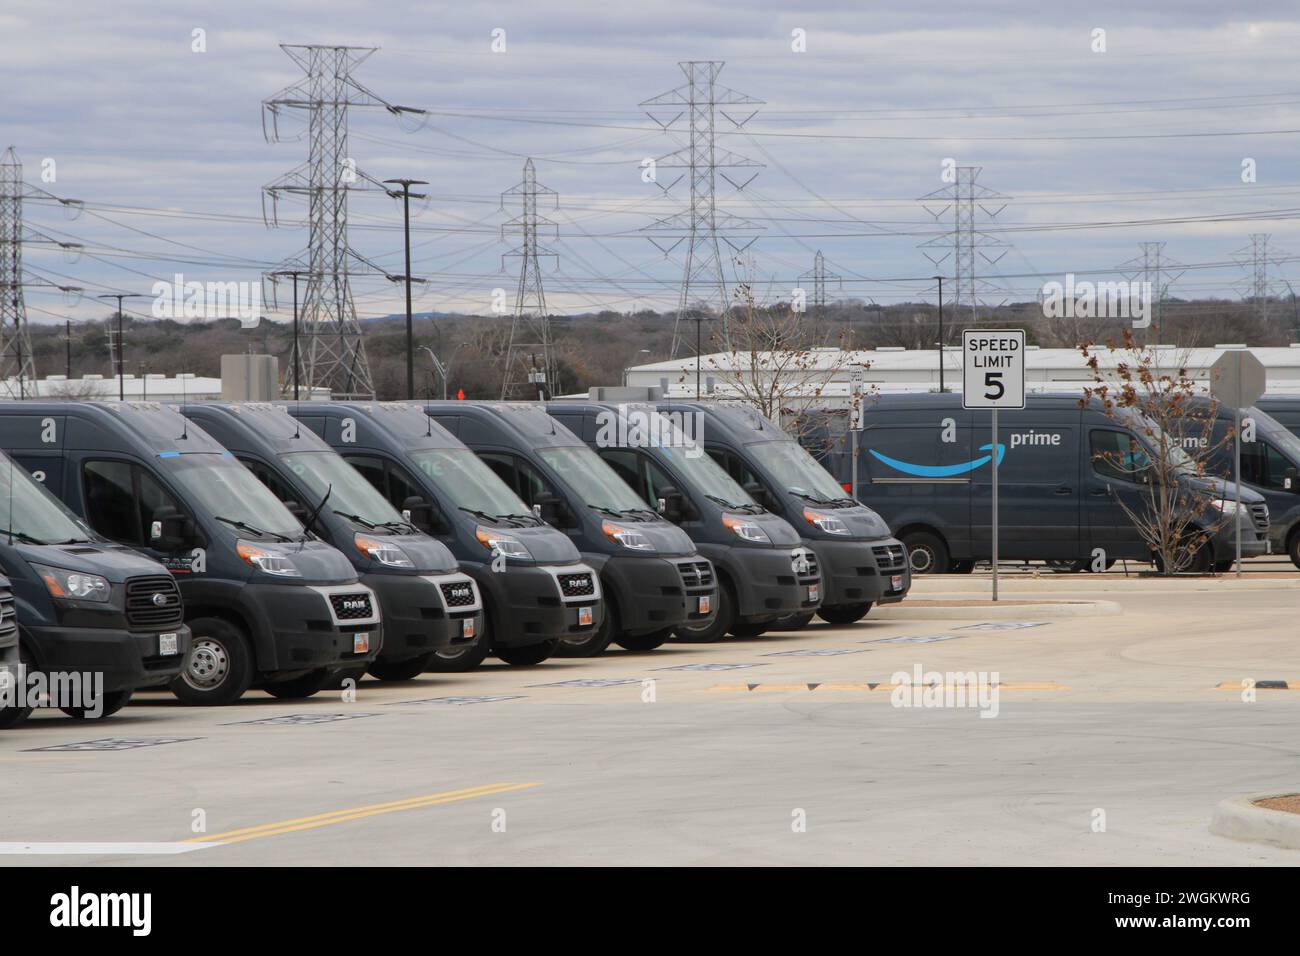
(268, 561)
(824, 522)
(628, 537)
(746, 530)
(385, 552)
(74, 585)
(502, 544)
(1225, 506)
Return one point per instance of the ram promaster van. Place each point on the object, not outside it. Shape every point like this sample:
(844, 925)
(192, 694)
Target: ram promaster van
(268, 604)
(1063, 474)
(651, 576)
(425, 601)
(764, 571)
(95, 619)
(536, 590)
(860, 561)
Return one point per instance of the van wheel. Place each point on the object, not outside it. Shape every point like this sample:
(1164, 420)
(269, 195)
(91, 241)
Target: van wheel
(723, 621)
(750, 628)
(927, 552)
(644, 642)
(961, 567)
(220, 666)
(408, 669)
(110, 704)
(843, 614)
(458, 660)
(13, 716)
(792, 622)
(299, 687)
(594, 641)
(527, 655)
(1293, 549)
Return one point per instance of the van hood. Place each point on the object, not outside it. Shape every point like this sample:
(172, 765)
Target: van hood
(1222, 488)
(544, 543)
(316, 561)
(667, 539)
(111, 562)
(429, 555)
(778, 530)
(863, 523)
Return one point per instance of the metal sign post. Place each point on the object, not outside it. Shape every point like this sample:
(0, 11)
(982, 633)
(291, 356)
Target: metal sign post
(855, 423)
(993, 377)
(1237, 379)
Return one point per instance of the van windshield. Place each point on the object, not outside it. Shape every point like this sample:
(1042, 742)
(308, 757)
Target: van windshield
(708, 477)
(597, 484)
(468, 482)
(229, 492)
(352, 497)
(797, 471)
(31, 514)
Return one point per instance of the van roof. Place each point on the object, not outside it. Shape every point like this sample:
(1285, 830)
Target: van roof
(738, 421)
(149, 428)
(519, 424)
(403, 423)
(265, 428)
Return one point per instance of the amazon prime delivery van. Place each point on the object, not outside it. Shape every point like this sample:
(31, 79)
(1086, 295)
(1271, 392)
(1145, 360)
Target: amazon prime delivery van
(268, 605)
(1285, 410)
(925, 464)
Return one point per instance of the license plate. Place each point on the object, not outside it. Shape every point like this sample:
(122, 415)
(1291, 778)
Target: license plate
(896, 582)
(814, 592)
(360, 643)
(584, 616)
(705, 604)
(168, 644)
(467, 627)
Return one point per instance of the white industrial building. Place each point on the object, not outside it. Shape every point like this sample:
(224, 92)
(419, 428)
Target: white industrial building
(244, 377)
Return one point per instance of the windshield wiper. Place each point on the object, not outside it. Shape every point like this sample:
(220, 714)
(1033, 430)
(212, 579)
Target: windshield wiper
(815, 499)
(398, 526)
(359, 520)
(22, 536)
(484, 516)
(746, 507)
(252, 529)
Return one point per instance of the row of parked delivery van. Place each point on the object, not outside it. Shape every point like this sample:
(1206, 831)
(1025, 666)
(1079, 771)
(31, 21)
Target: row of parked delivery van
(214, 548)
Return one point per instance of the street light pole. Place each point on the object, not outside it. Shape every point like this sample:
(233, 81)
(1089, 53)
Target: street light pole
(297, 356)
(121, 351)
(406, 194)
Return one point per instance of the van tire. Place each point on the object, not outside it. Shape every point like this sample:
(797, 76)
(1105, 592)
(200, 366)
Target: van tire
(408, 669)
(931, 548)
(528, 655)
(217, 646)
(843, 614)
(793, 622)
(723, 621)
(751, 628)
(1293, 548)
(110, 703)
(460, 660)
(596, 640)
(13, 716)
(644, 642)
(301, 687)
(961, 567)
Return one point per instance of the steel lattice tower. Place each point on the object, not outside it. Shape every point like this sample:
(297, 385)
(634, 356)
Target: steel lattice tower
(1152, 266)
(699, 102)
(15, 344)
(965, 240)
(530, 328)
(335, 347)
(818, 275)
(1258, 287)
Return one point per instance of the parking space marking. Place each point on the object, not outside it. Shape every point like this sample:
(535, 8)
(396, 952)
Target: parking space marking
(356, 813)
(865, 686)
(1258, 684)
(101, 744)
(100, 849)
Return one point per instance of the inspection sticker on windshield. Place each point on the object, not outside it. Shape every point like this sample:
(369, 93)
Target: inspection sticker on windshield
(168, 644)
(360, 643)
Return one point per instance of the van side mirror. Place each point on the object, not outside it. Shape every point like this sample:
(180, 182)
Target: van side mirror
(171, 531)
(759, 494)
(552, 510)
(1290, 483)
(671, 504)
(423, 514)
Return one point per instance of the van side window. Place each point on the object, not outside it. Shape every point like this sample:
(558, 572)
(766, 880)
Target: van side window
(401, 486)
(123, 501)
(624, 463)
(1117, 455)
(518, 474)
(373, 471)
(656, 481)
(1261, 464)
(735, 468)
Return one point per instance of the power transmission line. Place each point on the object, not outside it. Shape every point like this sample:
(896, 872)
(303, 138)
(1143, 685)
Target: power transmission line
(530, 328)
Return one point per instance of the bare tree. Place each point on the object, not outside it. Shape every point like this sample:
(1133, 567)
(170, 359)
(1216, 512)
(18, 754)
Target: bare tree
(1150, 393)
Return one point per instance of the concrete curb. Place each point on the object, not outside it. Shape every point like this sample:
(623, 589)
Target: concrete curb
(988, 612)
(1239, 819)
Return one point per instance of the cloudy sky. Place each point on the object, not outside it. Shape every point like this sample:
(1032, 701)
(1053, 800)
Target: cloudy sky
(1098, 151)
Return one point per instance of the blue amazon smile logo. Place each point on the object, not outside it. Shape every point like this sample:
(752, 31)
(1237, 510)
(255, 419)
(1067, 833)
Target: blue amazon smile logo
(941, 471)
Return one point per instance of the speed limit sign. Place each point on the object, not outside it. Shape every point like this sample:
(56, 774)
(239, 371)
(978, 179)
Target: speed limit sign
(993, 368)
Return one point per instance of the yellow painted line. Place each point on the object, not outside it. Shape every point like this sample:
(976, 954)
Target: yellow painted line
(358, 813)
(1263, 684)
(866, 687)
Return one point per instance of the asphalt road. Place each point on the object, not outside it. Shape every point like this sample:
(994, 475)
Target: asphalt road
(1112, 744)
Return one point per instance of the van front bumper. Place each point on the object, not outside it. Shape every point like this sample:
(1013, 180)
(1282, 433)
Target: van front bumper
(307, 633)
(857, 572)
(423, 613)
(658, 593)
(126, 659)
(535, 603)
(770, 582)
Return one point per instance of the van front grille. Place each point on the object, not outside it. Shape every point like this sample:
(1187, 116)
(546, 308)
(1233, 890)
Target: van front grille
(458, 593)
(8, 617)
(577, 584)
(351, 607)
(153, 602)
(696, 574)
(1259, 516)
(889, 557)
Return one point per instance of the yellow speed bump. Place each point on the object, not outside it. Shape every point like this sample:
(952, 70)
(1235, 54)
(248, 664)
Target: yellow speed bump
(358, 813)
(867, 686)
